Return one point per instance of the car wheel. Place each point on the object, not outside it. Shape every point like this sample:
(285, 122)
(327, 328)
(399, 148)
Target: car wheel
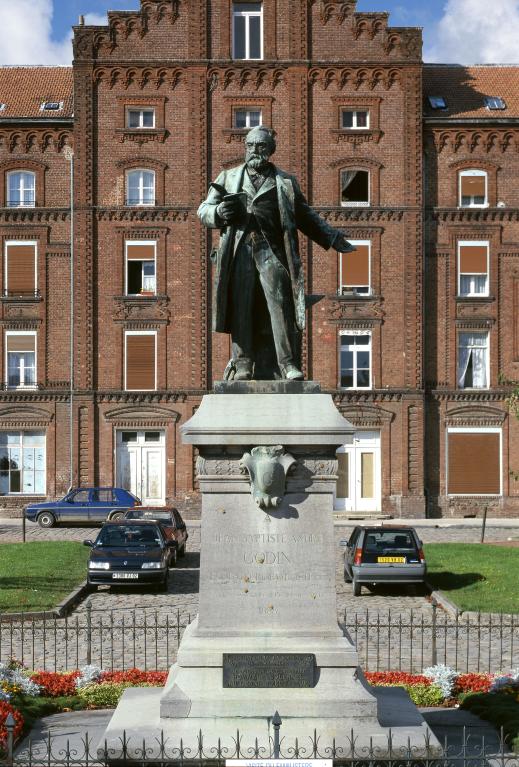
(163, 585)
(46, 519)
(182, 552)
(347, 576)
(116, 515)
(92, 586)
(356, 588)
(173, 558)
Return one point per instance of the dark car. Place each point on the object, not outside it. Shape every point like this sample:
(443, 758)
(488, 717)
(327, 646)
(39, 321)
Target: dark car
(172, 524)
(83, 504)
(383, 555)
(130, 553)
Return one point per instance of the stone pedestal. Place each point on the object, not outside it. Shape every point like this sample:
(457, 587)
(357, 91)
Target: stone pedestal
(266, 637)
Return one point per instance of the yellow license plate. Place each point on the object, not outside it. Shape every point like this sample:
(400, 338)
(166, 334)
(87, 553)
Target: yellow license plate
(383, 560)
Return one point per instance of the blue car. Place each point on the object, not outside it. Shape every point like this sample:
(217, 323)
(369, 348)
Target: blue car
(83, 504)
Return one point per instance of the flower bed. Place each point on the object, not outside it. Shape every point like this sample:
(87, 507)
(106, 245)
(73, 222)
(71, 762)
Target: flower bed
(499, 705)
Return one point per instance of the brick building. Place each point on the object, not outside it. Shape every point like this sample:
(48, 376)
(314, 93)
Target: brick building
(412, 334)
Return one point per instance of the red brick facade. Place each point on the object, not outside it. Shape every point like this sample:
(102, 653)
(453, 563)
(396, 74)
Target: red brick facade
(320, 58)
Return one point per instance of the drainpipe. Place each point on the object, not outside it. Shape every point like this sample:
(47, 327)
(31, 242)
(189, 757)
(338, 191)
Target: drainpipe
(69, 154)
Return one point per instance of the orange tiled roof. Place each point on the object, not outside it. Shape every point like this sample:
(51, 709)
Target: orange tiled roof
(24, 89)
(464, 89)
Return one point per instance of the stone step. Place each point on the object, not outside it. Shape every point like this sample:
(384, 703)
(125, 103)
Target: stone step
(360, 515)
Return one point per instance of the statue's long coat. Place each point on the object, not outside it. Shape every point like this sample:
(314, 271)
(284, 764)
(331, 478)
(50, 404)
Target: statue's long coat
(295, 213)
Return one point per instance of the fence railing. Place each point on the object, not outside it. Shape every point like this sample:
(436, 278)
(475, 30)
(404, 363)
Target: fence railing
(121, 639)
(471, 749)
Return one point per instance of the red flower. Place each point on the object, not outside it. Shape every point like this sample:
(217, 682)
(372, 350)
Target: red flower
(472, 683)
(55, 684)
(395, 678)
(5, 710)
(135, 676)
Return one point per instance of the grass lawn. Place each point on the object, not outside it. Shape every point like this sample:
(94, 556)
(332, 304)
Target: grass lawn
(38, 575)
(475, 576)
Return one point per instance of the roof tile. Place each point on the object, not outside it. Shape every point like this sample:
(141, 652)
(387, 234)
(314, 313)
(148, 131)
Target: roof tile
(464, 89)
(24, 89)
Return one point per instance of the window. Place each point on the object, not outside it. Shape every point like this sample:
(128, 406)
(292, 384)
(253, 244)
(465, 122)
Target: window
(140, 187)
(140, 118)
(20, 268)
(352, 119)
(494, 102)
(473, 360)
(247, 30)
(140, 268)
(20, 359)
(21, 189)
(141, 374)
(247, 118)
(22, 462)
(355, 362)
(473, 461)
(355, 269)
(104, 495)
(473, 189)
(51, 106)
(354, 188)
(473, 268)
(80, 496)
(437, 102)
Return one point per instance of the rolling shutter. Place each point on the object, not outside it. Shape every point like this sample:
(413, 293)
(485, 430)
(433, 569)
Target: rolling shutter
(21, 343)
(140, 362)
(355, 266)
(140, 252)
(474, 463)
(21, 261)
(473, 259)
(473, 186)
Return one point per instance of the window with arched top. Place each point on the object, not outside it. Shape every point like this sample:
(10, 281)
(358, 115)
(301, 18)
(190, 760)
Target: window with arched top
(473, 188)
(140, 187)
(355, 187)
(21, 189)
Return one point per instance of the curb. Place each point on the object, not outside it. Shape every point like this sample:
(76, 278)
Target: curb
(441, 600)
(60, 611)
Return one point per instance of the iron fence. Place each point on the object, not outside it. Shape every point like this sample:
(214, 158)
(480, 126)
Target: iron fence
(75, 749)
(148, 639)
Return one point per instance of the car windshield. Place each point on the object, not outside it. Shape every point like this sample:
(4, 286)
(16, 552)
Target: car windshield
(389, 541)
(157, 516)
(123, 536)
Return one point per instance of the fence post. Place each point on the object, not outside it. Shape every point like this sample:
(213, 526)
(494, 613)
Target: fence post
(276, 722)
(88, 632)
(9, 726)
(23, 527)
(434, 651)
(484, 524)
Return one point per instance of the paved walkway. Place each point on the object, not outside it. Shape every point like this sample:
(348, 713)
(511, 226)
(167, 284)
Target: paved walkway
(392, 627)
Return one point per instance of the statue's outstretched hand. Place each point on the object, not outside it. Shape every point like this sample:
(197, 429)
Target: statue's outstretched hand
(342, 244)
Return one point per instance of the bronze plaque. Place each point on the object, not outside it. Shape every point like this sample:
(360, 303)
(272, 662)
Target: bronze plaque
(268, 669)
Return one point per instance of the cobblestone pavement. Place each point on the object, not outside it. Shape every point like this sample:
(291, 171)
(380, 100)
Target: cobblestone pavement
(393, 627)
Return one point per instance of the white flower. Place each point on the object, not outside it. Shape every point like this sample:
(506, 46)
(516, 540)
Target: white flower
(443, 677)
(88, 675)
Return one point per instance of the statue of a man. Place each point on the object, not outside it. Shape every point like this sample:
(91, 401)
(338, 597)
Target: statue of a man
(259, 209)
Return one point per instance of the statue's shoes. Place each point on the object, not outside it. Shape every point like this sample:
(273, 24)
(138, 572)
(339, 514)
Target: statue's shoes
(243, 371)
(291, 373)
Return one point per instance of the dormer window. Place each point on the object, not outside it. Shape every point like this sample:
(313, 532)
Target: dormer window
(2, 107)
(494, 102)
(437, 102)
(51, 106)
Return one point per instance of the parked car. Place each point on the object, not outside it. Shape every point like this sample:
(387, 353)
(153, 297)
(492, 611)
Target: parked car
(171, 522)
(130, 553)
(383, 554)
(83, 504)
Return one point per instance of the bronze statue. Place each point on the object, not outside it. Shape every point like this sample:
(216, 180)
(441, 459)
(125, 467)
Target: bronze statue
(259, 285)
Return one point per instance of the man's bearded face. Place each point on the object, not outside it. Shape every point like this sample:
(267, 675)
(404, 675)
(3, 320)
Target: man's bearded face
(257, 153)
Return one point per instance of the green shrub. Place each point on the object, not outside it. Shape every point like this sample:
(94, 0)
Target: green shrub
(425, 694)
(106, 695)
(500, 709)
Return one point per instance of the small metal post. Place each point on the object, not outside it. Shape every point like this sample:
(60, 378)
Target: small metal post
(434, 651)
(483, 526)
(9, 726)
(88, 632)
(276, 723)
(23, 527)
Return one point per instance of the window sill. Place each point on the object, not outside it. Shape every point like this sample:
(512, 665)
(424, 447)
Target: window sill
(141, 135)
(356, 297)
(478, 298)
(138, 297)
(28, 298)
(355, 204)
(356, 135)
(28, 387)
(473, 207)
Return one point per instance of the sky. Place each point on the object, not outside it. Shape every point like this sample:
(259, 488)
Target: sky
(455, 31)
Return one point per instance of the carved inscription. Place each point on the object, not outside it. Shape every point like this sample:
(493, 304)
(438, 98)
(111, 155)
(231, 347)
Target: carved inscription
(268, 670)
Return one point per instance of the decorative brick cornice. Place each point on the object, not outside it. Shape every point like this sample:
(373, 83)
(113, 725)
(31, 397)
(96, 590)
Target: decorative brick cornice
(371, 395)
(141, 417)
(346, 311)
(355, 77)
(141, 310)
(366, 415)
(122, 76)
(245, 76)
(456, 139)
(361, 214)
(336, 10)
(153, 215)
(475, 415)
(26, 140)
(465, 395)
(33, 215)
(151, 398)
(472, 215)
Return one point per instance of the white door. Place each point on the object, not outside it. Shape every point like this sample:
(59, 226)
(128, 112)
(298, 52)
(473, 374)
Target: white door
(141, 460)
(358, 485)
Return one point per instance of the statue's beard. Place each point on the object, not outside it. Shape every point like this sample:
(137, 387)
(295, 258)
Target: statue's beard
(257, 162)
